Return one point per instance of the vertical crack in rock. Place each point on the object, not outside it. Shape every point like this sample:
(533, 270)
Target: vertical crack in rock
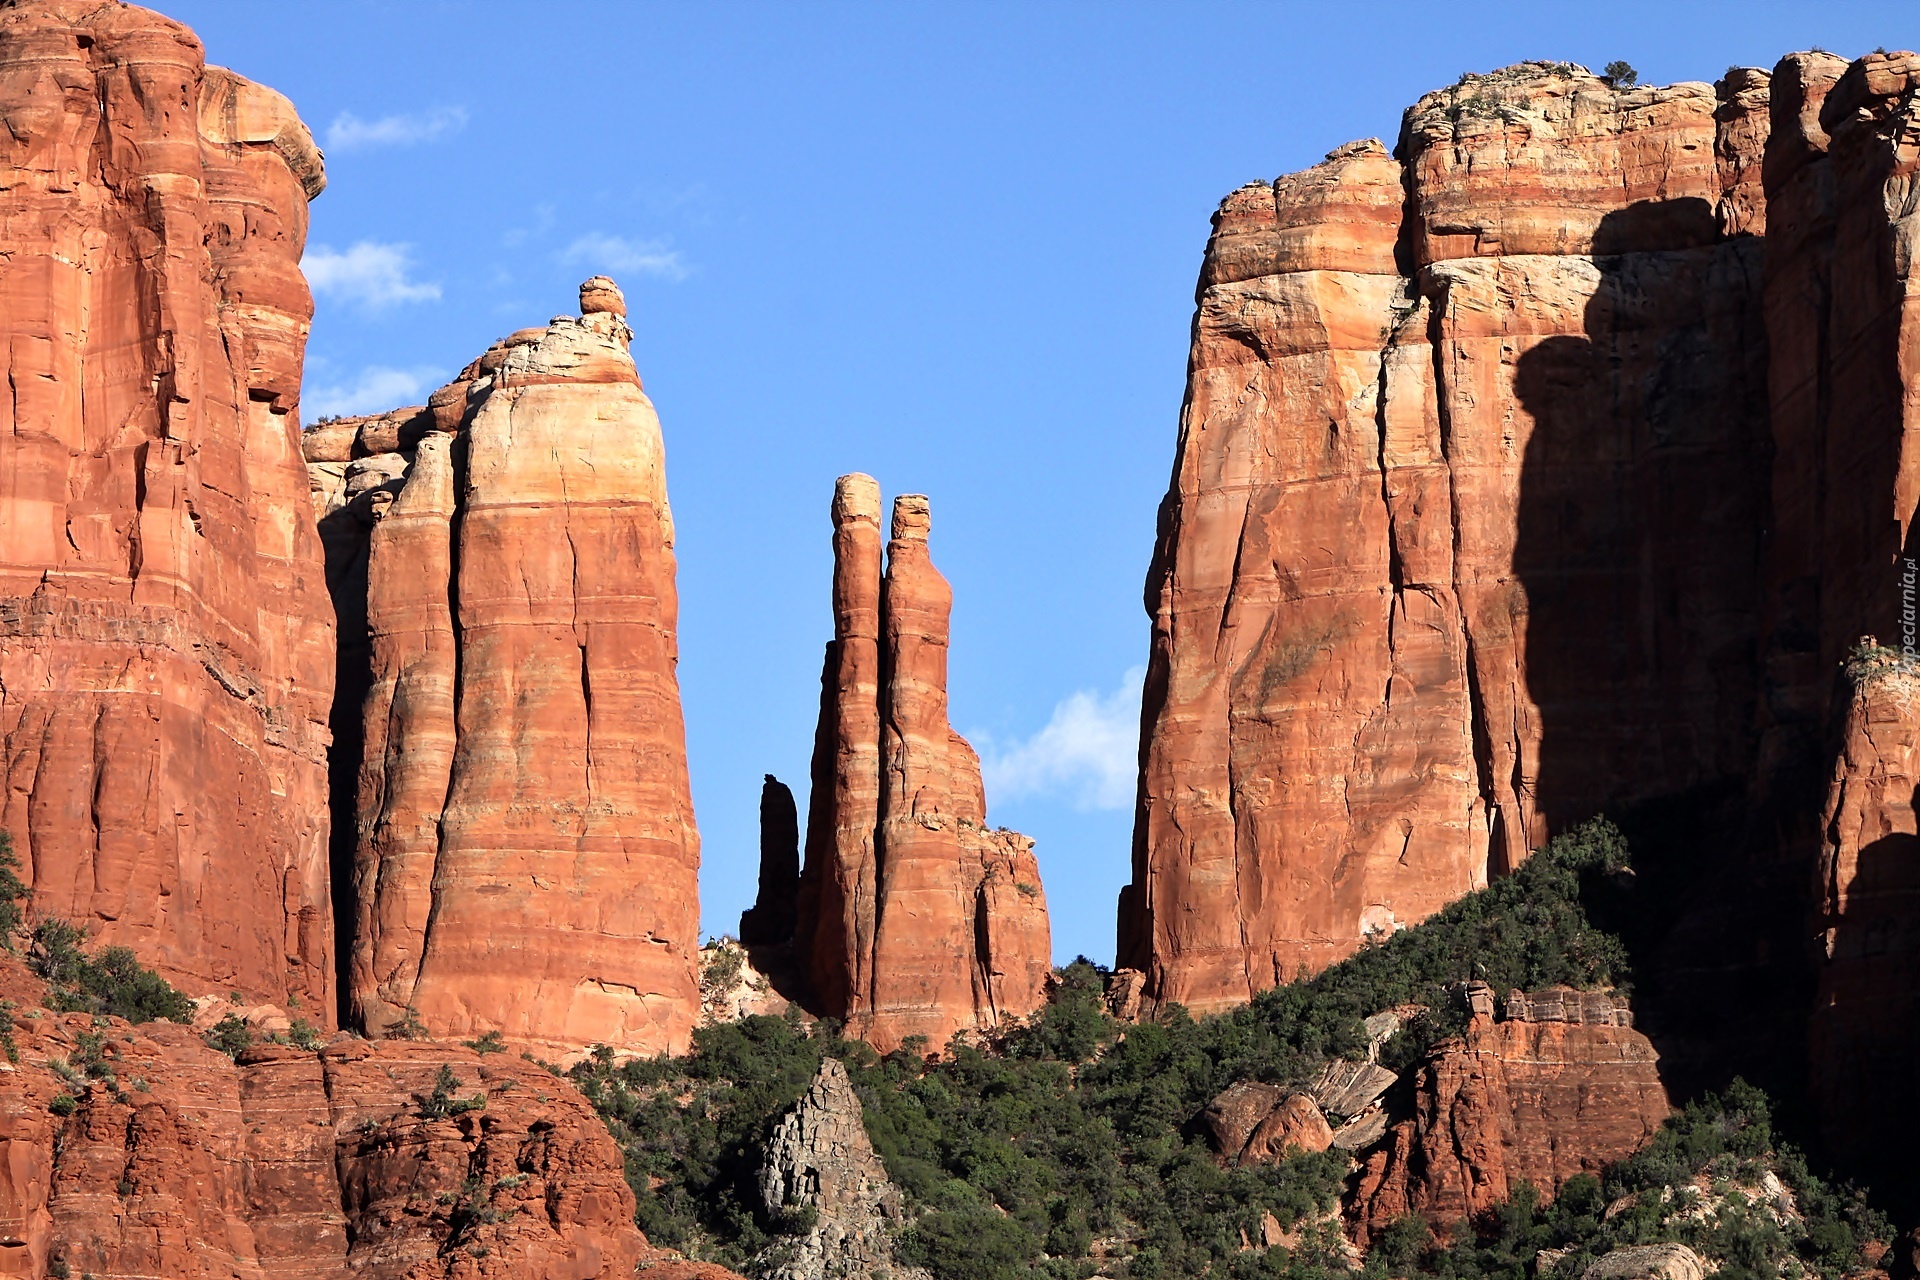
(527, 847)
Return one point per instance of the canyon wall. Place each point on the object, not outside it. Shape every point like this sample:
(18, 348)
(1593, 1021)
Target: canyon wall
(1846, 151)
(524, 857)
(911, 917)
(1468, 537)
(166, 644)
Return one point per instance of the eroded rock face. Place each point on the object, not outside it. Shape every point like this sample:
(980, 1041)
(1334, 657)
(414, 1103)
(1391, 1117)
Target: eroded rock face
(1515, 1100)
(914, 918)
(178, 1162)
(165, 639)
(1425, 587)
(821, 1159)
(1843, 169)
(1251, 1122)
(525, 858)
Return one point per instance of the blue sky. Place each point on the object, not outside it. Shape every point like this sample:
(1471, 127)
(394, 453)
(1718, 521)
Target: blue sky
(953, 245)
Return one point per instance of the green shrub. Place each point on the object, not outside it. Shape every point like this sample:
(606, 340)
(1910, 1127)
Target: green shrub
(231, 1035)
(488, 1043)
(111, 983)
(1015, 1157)
(63, 1104)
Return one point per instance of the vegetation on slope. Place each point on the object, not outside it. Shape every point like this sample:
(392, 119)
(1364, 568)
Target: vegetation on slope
(1068, 1147)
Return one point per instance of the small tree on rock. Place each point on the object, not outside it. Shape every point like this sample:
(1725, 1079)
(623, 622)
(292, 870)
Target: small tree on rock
(1620, 75)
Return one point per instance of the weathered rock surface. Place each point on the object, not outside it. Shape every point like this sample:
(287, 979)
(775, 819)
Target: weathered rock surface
(525, 858)
(1843, 298)
(1251, 1122)
(913, 917)
(178, 1162)
(1866, 1024)
(821, 1159)
(1511, 1101)
(1647, 1262)
(1426, 587)
(165, 640)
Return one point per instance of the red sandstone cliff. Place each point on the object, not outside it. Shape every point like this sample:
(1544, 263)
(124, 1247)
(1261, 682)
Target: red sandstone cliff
(1843, 308)
(1466, 539)
(165, 639)
(1562, 1085)
(525, 858)
(179, 1162)
(912, 917)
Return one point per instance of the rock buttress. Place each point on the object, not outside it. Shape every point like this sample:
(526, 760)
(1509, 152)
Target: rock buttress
(525, 858)
(1464, 535)
(914, 917)
(165, 638)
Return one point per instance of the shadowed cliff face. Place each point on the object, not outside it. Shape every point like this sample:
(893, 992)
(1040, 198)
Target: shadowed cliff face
(1491, 512)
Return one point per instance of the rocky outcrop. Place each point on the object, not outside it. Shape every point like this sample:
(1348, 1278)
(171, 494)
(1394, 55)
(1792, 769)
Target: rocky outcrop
(1538, 1097)
(1426, 587)
(1647, 1262)
(1252, 1122)
(913, 917)
(524, 856)
(140, 1152)
(820, 1160)
(165, 640)
(770, 921)
(1866, 1024)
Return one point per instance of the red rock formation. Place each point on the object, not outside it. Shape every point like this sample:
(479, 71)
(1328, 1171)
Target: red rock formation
(526, 859)
(1843, 310)
(165, 639)
(1563, 1086)
(178, 1162)
(1251, 1123)
(914, 918)
(1426, 587)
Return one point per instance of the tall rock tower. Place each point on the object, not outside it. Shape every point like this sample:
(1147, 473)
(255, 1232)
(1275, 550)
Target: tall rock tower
(914, 918)
(525, 858)
(165, 637)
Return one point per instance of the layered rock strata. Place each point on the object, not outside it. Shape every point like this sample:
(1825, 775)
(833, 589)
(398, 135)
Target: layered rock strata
(524, 857)
(913, 917)
(1490, 511)
(165, 639)
(168, 1159)
(1537, 1097)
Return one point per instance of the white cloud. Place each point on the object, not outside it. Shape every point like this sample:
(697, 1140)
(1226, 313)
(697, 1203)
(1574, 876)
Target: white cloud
(349, 132)
(369, 274)
(375, 389)
(1090, 749)
(603, 252)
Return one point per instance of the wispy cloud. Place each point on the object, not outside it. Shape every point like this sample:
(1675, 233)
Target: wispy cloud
(1088, 750)
(375, 389)
(369, 274)
(349, 132)
(600, 251)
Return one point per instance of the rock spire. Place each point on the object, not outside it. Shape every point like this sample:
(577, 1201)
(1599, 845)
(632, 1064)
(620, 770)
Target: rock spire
(525, 859)
(913, 919)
